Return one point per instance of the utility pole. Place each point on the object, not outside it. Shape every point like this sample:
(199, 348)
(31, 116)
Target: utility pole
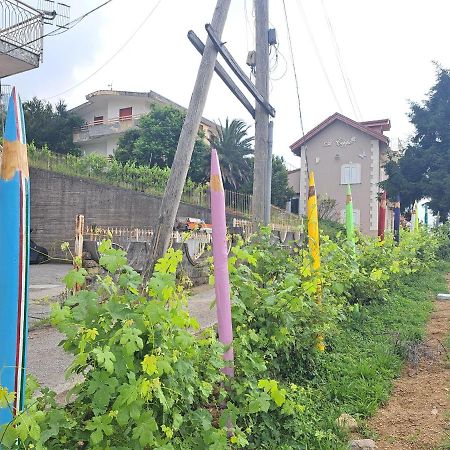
(174, 189)
(268, 193)
(260, 181)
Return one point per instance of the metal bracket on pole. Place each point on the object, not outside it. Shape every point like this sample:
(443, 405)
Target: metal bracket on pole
(220, 46)
(198, 44)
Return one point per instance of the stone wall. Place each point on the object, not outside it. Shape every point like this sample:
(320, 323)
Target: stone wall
(56, 199)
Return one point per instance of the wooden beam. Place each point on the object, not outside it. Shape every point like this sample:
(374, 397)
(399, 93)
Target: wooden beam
(218, 68)
(234, 66)
(180, 166)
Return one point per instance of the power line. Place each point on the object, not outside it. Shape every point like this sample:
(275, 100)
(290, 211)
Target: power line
(113, 55)
(66, 27)
(294, 68)
(345, 78)
(318, 54)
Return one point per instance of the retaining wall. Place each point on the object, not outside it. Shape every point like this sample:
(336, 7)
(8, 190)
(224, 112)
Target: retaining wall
(56, 199)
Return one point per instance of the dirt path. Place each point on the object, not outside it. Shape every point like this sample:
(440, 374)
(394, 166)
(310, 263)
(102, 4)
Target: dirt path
(416, 415)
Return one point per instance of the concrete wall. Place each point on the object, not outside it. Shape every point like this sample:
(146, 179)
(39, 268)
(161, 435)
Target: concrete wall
(294, 180)
(327, 152)
(56, 200)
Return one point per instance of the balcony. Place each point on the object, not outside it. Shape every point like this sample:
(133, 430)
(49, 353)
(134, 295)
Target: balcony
(99, 129)
(21, 33)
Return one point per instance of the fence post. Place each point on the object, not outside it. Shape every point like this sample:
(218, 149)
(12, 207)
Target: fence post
(78, 251)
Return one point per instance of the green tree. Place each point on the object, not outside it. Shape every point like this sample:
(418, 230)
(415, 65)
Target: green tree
(155, 141)
(234, 148)
(51, 125)
(281, 191)
(423, 170)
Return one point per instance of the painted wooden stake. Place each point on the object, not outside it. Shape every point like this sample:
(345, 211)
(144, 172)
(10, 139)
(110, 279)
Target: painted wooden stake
(313, 223)
(382, 216)
(397, 220)
(425, 217)
(220, 256)
(78, 250)
(314, 243)
(14, 257)
(349, 221)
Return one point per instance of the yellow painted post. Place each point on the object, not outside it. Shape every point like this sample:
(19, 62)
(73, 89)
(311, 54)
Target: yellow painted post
(313, 223)
(314, 243)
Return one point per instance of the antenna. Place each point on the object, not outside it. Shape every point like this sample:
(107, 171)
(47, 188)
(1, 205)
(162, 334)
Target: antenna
(55, 13)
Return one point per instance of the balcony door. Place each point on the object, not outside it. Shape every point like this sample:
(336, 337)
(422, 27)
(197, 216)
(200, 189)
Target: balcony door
(125, 113)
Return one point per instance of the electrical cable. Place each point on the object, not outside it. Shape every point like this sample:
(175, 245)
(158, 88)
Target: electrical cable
(112, 56)
(66, 28)
(318, 54)
(294, 68)
(345, 78)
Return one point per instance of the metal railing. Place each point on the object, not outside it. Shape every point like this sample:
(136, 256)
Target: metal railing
(21, 26)
(114, 120)
(235, 202)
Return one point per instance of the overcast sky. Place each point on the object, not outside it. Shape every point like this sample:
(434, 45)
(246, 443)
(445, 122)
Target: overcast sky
(386, 48)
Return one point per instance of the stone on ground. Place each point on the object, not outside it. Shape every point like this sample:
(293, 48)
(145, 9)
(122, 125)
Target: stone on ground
(362, 444)
(347, 422)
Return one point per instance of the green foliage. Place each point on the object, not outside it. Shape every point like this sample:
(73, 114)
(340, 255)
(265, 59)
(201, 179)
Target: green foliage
(147, 179)
(234, 148)
(281, 191)
(155, 141)
(423, 171)
(149, 382)
(51, 126)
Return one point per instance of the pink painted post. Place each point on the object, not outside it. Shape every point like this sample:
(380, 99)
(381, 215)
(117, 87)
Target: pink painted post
(220, 256)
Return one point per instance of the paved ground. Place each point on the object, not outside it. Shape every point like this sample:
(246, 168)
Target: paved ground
(46, 360)
(45, 284)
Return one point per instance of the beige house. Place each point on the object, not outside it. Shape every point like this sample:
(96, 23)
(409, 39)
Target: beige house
(341, 151)
(108, 114)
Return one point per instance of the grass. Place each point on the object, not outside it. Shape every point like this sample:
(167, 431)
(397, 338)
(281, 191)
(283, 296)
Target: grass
(355, 376)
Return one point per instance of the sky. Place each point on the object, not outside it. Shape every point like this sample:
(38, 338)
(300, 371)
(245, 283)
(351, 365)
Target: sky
(386, 51)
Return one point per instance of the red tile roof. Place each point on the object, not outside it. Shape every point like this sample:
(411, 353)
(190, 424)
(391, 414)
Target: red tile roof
(365, 127)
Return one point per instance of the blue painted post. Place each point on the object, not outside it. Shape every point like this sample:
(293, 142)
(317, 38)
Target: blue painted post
(14, 257)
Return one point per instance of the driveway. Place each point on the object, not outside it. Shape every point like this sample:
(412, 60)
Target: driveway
(47, 361)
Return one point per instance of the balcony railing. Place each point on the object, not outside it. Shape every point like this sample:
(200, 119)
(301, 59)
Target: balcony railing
(21, 27)
(95, 129)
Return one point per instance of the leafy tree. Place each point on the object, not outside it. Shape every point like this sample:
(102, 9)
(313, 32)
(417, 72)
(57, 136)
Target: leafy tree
(281, 191)
(155, 141)
(51, 126)
(423, 170)
(234, 148)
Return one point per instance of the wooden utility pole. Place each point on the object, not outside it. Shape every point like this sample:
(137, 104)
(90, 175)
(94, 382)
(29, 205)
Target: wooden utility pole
(259, 201)
(182, 159)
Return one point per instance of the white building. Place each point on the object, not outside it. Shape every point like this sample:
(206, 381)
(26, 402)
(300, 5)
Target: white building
(108, 114)
(344, 152)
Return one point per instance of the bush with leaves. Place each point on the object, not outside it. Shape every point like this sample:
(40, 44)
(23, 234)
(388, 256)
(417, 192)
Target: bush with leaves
(143, 178)
(149, 382)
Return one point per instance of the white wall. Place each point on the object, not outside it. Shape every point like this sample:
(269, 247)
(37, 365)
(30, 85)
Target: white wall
(139, 105)
(98, 146)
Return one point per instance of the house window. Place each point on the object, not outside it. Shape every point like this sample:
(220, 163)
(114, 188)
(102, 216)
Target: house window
(98, 120)
(125, 113)
(351, 173)
(356, 217)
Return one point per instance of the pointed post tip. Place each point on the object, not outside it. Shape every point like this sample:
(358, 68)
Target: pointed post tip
(216, 184)
(14, 156)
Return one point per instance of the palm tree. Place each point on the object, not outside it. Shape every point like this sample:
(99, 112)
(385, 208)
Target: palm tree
(234, 148)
